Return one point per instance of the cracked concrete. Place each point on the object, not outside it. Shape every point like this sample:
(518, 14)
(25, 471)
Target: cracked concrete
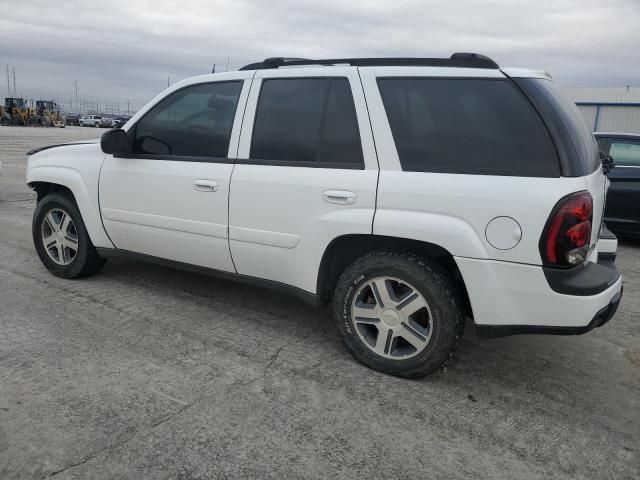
(145, 372)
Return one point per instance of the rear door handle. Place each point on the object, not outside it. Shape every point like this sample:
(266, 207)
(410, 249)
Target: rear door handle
(341, 197)
(205, 185)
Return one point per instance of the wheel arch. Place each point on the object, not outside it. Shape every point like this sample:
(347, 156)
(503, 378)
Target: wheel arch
(345, 249)
(45, 180)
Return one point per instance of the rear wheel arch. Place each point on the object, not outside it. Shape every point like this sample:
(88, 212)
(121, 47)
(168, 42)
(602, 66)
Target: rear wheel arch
(344, 250)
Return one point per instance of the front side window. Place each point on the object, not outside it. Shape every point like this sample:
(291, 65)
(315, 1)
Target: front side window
(625, 152)
(307, 122)
(472, 126)
(193, 122)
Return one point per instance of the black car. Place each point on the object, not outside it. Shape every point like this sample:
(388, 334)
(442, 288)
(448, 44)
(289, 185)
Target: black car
(118, 122)
(622, 211)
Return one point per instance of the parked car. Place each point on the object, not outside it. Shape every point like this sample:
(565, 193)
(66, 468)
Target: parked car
(96, 121)
(410, 193)
(622, 210)
(118, 122)
(72, 119)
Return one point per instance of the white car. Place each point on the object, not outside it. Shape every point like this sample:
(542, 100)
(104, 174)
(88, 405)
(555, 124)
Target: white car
(410, 193)
(95, 121)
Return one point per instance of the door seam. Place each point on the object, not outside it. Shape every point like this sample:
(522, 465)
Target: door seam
(375, 149)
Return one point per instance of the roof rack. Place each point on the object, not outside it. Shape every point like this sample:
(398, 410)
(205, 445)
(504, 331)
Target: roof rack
(461, 60)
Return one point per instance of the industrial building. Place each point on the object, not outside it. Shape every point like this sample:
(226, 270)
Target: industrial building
(608, 109)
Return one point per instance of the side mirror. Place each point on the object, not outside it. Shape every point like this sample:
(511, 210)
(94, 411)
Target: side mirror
(607, 162)
(114, 141)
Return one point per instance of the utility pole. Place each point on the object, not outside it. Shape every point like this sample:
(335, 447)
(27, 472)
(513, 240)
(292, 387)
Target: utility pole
(128, 111)
(15, 91)
(228, 59)
(75, 86)
(8, 82)
(168, 81)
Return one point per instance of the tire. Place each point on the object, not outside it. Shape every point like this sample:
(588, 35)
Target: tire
(86, 260)
(439, 322)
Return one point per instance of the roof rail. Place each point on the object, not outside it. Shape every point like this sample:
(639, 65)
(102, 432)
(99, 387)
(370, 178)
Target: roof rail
(463, 60)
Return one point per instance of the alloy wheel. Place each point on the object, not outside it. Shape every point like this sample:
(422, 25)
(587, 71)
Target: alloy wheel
(59, 236)
(392, 318)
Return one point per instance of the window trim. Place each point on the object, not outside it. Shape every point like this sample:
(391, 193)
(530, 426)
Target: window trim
(306, 164)
(491, 171)
(131, 132)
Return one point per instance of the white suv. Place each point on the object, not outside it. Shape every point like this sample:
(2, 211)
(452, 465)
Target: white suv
(410, 193)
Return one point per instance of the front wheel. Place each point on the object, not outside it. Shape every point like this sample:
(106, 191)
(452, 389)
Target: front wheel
(399, 313)
(61, 238)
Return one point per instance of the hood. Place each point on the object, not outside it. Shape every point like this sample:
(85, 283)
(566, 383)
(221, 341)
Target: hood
(82, 142)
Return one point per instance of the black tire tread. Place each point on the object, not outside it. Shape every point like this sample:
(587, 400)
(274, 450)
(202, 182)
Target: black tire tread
(430, 270)
(92, 263)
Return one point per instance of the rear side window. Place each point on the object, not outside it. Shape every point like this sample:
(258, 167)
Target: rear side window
(625, 153)
(473, 126)
(307, 122)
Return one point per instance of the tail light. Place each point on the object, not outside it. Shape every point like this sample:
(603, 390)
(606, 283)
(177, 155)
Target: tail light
(566, 237)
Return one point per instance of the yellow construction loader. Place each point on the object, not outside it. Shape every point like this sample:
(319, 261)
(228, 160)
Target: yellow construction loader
(14, 112)
(47, 114)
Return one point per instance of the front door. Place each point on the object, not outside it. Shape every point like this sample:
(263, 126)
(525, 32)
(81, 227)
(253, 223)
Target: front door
(168, 197)
(622, 211)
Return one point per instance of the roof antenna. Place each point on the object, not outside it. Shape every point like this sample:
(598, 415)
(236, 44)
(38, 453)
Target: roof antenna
(213, 70)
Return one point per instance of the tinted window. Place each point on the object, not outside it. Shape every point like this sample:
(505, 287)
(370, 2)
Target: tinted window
(567, 125)
(307, 121)
(625, 153)
(475, 126)
(195, 122)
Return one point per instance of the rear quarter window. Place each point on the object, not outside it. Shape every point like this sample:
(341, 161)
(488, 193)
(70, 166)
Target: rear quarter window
(575, 141)
(472, 126)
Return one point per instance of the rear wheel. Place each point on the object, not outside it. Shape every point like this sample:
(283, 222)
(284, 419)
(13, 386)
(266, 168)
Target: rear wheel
(399, 313)
(61, 238)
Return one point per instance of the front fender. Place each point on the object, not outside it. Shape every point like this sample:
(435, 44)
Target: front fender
(87, 202)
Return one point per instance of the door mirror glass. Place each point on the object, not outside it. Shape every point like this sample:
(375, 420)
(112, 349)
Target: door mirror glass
(114, 141)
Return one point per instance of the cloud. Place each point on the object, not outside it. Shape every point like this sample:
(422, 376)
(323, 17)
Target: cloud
(121, 49)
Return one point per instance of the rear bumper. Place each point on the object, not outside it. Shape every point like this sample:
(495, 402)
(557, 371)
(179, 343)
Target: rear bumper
(607, 247)
(509, 298)
(600, 318)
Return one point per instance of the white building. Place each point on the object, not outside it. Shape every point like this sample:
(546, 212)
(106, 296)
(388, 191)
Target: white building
(608, 109)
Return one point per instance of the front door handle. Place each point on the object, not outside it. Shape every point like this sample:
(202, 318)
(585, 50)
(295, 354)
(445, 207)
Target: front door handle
(205, 185)
(341, 197)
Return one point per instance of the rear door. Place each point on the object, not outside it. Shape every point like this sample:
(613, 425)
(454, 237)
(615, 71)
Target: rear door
(168, 197)
(306, 172)
(623, 199)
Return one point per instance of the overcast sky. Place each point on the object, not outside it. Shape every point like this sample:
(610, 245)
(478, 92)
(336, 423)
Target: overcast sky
(123, 49)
